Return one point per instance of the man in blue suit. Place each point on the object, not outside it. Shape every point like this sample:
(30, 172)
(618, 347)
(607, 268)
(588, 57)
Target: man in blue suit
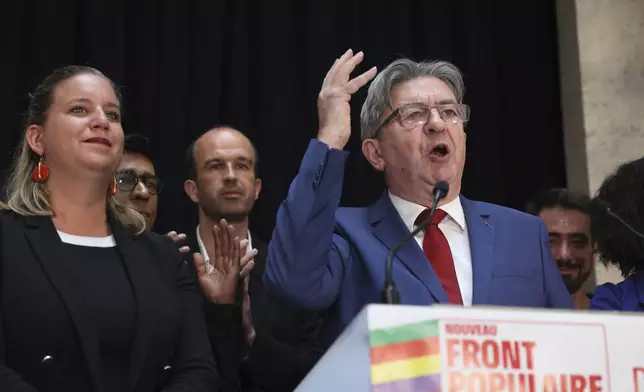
(325, 257)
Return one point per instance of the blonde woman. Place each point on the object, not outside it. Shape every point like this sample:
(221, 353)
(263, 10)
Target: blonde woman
(89, 300)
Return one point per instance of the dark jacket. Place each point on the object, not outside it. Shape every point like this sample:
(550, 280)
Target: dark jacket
(47, 342)
(286, 345)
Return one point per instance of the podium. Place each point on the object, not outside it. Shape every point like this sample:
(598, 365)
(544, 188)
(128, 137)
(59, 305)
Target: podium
(396, 348)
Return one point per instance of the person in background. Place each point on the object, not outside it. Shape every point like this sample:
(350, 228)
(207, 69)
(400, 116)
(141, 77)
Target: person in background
(138, 187)
(623, 193)
(276, 345)
(471, 253)
(90, 300)
(567, 218)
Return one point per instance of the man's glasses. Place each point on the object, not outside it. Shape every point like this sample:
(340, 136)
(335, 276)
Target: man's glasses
(128, 180)
(415, 114)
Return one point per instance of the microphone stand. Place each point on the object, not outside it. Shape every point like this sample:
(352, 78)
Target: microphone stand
(390, 294)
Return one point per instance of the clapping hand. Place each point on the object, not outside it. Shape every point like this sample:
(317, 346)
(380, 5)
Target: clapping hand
(246, 263)
(219, 284)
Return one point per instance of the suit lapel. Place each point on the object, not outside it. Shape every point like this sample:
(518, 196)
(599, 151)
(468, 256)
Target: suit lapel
(135, 258)
(48, 248)
(259, 299)
(389, 228)
(481, 235)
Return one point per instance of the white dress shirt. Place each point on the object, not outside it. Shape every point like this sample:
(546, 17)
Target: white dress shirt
(454, 227)
(205, 255)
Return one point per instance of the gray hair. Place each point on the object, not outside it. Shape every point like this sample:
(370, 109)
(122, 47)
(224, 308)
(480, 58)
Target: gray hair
(400, 71)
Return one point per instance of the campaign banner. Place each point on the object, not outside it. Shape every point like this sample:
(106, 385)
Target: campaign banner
(483, 355)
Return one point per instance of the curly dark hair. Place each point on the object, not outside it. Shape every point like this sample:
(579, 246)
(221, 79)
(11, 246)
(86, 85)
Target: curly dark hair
(623, 192)
(559, 197)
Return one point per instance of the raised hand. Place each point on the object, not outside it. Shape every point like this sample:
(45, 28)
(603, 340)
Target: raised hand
(219, 284)
(178, 239)
(334, 112)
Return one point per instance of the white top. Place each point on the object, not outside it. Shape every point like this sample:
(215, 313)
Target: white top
(204, 253)
(97, 242)
(454, 227)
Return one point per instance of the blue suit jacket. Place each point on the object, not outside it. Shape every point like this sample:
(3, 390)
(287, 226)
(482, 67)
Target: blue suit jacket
(325, 257)
(627, 295)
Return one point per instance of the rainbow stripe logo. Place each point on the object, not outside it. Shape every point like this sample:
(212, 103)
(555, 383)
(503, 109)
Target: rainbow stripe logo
(406, 358)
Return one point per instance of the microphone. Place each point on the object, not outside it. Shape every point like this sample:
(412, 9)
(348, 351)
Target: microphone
(605, 207)
(389, 294)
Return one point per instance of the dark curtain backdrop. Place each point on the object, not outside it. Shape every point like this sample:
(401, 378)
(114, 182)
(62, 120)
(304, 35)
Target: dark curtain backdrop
(258, 65)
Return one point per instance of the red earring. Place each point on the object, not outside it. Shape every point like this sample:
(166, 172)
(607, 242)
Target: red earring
(41, 172)
(113, 187)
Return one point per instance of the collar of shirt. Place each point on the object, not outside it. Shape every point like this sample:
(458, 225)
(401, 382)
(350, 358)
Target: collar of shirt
(409, 211)
(204, 253)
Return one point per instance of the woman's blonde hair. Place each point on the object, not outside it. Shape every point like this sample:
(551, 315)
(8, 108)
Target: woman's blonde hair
(27, 197)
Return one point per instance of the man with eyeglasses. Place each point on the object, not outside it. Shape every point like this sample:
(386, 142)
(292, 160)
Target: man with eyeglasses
(472, 253)
(137, 185)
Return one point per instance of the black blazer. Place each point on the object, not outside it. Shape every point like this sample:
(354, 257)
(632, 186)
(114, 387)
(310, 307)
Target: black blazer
(46, 343)
(286, 344)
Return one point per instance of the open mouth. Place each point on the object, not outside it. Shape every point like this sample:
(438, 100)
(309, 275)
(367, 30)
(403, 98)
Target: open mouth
(440, 150)
(99, 140)
(569, 268)
(568, 271)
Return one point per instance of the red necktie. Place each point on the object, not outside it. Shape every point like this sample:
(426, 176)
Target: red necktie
(437, 251)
